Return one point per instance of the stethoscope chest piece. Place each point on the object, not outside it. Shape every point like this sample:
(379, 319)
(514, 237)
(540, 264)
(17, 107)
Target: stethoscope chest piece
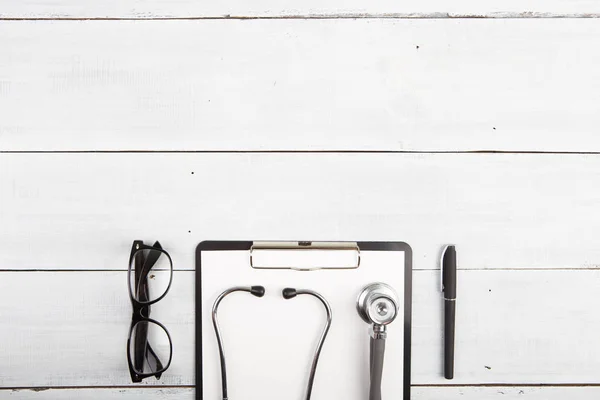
(377, 304)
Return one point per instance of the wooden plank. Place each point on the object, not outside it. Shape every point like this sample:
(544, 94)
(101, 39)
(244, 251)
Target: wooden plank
(70, 328)
(506, 393)
(145, 393)
(82, 211)
(401, 85)
(314, 8)
(512, 327)
(418, 393)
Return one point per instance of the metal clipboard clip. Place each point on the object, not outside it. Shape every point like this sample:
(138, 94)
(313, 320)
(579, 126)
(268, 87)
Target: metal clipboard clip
(305, 246)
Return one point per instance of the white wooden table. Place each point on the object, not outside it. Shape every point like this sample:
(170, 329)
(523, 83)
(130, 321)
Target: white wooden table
(473, 123)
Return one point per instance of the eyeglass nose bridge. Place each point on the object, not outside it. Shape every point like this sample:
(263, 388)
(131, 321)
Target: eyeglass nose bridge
(140, 312)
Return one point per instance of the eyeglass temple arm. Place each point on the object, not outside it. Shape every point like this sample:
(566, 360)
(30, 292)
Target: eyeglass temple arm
(151, 259)
(141, 275)
(149, 262)
(141, 262)
(141, 337)
(159, 365)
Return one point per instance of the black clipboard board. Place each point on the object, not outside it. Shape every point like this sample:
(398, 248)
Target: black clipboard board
(246, 246)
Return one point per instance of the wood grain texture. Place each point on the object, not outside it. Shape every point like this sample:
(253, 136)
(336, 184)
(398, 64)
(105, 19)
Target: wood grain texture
(501, 211)
(418, 393)
(144, 393)
(288, 8)
(391, 85)
(505, 393)
(70, 328)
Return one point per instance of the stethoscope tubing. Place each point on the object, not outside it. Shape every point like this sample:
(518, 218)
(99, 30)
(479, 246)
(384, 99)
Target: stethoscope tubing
(377, 350)
(218, 334)
(313, 368)
(288, 293)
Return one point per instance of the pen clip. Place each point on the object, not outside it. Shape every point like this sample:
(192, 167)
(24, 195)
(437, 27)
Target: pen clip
(442, 268)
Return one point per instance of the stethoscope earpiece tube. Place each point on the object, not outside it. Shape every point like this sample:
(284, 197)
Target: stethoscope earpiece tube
(290, 293)
(258, 291)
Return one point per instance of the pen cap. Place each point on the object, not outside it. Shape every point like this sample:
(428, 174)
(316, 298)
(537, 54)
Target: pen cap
(449, 272)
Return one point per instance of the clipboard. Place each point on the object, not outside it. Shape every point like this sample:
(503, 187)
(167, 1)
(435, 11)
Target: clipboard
(268, 345)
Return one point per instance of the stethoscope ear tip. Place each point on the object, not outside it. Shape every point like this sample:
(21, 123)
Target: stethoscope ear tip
(289, 293)
(258, 291)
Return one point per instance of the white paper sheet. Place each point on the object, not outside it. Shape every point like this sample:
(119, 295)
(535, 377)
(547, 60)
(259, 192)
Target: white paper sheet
(270, 342)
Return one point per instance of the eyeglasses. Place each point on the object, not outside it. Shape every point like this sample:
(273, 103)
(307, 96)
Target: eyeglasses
(149, 346)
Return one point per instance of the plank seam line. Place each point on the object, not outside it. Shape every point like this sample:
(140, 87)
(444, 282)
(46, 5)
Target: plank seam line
(77, 270)
(457, 385)
(528, 152)
(435, 15)
(507, 385)
(44, 388)
(563, 269)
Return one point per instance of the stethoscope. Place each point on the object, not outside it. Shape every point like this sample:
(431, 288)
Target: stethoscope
(259, 291)
(377, 304)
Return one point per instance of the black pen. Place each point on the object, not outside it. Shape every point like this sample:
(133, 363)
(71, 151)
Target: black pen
(449, 290)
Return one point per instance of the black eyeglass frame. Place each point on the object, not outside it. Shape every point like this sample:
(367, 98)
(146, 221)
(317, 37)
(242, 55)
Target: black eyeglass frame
(141, 312)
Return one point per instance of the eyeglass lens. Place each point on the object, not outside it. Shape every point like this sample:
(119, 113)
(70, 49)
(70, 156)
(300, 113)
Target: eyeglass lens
(150, 275)
(149, 348)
